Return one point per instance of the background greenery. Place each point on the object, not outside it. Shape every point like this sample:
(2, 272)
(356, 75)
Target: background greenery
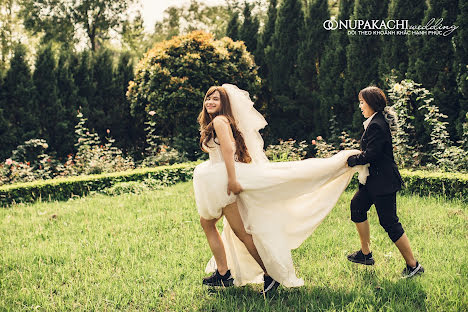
(81, 57)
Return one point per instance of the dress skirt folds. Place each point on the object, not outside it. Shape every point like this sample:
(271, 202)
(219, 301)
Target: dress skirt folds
(281, 205)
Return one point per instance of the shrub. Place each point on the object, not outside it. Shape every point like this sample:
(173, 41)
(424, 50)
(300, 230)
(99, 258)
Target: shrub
(159, 152)
(28, 162)
(324, 149)
(288, 150)
(431, 183)
(172, 78)
(421, 137)
(92, 157)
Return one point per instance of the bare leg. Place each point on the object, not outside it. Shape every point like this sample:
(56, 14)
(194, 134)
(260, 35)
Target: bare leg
(231, 212)
(364, 235)
(216, 243)
(404, 246)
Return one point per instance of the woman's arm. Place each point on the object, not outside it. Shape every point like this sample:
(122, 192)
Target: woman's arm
(224, 134)
(374, 149)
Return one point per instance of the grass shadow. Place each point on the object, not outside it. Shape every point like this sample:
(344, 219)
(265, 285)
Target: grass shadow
(375, 294)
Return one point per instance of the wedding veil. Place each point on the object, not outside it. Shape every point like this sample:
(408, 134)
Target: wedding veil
(249, 121)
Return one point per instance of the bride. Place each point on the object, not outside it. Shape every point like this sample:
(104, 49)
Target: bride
(269, 208)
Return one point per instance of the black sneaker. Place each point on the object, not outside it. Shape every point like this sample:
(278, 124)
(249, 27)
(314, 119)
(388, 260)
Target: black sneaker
(409, 272)
(216, 279)
(359, 257)
(269, 284)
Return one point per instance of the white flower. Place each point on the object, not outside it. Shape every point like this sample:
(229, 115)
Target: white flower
(397, 87)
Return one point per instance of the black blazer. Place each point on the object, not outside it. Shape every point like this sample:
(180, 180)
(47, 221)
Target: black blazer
(377, 150)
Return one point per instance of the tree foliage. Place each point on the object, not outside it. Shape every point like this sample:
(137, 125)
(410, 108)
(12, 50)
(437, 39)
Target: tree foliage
(196, 15)
(248, 31)
(394, 59)
(232, 30)
(61, 20)
(19, 101)
(170, 82)
(432, 65)
(362, 55)
(282, 57)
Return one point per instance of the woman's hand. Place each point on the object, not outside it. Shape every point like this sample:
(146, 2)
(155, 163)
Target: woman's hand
(234, 186)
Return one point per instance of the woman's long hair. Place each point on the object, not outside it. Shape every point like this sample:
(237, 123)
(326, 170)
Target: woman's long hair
(377, 100)
(207, 129)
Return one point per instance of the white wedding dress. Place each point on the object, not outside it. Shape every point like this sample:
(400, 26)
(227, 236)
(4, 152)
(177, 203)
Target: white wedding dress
(281, 205)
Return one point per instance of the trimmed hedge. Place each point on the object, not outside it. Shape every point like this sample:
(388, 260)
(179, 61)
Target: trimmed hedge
(423, 183)
(65, 188)
(430, 183)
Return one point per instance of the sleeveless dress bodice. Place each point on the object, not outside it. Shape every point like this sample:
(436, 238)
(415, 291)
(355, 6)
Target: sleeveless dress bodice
(214, 151)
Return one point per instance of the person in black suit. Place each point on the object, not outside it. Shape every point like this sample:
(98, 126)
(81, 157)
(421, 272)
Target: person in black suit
(383, 182)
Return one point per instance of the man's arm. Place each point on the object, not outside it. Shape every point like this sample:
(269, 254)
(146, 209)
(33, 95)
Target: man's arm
(374, 149)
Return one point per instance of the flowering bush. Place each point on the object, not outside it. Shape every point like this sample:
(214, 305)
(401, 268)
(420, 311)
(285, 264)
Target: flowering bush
(324, 149)
(421, 137)
(288, 150)
(158, 151)
(28, 162)
(93, 157)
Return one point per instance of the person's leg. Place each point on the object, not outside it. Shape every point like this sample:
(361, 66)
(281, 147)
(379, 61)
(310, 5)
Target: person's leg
(364, 235)
(403, 245)
(360, 204)
(386, 210)
(216, 243)
(231, 212)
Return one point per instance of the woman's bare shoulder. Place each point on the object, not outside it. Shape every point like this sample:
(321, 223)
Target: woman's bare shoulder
(220, 119)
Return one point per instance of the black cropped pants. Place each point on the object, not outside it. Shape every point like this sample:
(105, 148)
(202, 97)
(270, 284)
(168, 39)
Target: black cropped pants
(386, 210)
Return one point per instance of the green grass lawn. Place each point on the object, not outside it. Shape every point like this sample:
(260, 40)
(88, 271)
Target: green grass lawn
(148, 252)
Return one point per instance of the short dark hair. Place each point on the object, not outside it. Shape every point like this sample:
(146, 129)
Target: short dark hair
(374, 97)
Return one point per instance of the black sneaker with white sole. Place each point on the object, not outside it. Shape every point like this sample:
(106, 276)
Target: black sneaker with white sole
(359, 257)
(409, 271)
(269, 284)
(216, 279)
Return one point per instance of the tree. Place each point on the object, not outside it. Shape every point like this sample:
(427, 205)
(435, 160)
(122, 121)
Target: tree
(9, 30)
(332, 76)
(461, 66)
(50, 109)
(394, 60)
(170, 25)
(103, 101)
(129, 135)
(363, 53)
(265, 39)
(133, 36)
(232, 30)
(308, 63)
(196, 15)
(68, 96)
(61, 20)
(171, 81)
(432, 66)
(5, 133)
(19, 101)
(282, 55)
(249, 30)
(264, 43)
(83, 72)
